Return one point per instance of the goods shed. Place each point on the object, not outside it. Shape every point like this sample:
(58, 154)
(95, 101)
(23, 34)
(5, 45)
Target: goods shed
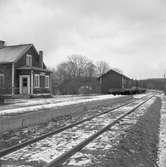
(114, 80)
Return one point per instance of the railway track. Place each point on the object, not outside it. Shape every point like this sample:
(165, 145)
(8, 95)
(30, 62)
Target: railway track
(93, 120)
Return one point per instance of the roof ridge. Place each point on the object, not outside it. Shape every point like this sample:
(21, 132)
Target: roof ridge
(17, 45)
(14, 52)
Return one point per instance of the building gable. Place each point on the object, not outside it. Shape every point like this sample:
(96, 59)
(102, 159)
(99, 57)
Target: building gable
(10, 54)
(36, 59)
(17, 54)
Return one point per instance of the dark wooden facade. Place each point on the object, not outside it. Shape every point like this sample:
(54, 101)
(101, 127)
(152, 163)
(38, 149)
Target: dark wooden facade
(18, 75)
(113, 80)
(6, 87)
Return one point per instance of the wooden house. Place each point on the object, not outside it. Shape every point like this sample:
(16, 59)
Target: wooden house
(22, 71)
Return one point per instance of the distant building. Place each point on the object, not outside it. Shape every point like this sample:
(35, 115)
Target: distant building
(22, 71)
(113, 80)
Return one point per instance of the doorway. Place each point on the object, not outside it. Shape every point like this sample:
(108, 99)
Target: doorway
(24, 84)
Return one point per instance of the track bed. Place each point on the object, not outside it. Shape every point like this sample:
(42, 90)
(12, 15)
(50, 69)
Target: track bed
(41, 153)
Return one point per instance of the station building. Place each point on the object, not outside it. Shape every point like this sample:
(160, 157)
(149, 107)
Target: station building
(22, 71)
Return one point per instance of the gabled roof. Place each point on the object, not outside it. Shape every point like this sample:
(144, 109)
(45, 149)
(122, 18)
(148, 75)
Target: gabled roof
(10, 54)
(112, 70)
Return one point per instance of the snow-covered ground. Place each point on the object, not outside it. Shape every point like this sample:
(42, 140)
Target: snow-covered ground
(162, 136)
(51, 147)
(18, 103)
(30, 105)
(38, 101)
(138, 96)
(42, 104)
(109, 139)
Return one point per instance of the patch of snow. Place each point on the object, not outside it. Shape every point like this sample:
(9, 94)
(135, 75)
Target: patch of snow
(52, 147)
(54, 105)
(80, 159)
(162, 135)
(138, 96)
(111, 137)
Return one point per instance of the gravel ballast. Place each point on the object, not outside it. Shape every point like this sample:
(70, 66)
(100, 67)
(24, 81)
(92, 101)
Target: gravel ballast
(138, 148)
(137, 145)
(131, 143)
(52, 147)
(15, 136)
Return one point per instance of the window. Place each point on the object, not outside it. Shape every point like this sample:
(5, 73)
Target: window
(25, 82)
(2, 80)
(47, 81)
(36, 80)
(29, 60)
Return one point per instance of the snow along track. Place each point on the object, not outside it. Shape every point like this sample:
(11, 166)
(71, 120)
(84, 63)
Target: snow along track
(162, 135)
(52, 103)
(62, 142)
(19, 146)
(62, 158)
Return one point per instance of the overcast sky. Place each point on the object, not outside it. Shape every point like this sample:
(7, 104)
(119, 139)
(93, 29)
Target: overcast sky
(128, 34)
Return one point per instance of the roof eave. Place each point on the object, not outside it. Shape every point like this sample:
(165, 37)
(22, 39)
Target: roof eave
(6, 62)
(33, 68)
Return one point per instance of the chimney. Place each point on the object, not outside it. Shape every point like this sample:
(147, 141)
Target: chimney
(41, 58)
(2, 43)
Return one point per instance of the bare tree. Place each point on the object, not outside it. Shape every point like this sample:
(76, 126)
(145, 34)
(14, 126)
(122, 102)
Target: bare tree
(90, 70)
(78, 64)
(102, 67)
(73, 71)
(81, 66)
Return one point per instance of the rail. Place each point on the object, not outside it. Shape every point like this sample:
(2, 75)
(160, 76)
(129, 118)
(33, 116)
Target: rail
(26, 143)
(62, 158)
(22, 145)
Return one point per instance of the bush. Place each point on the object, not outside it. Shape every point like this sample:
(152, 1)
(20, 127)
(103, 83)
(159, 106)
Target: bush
(85, 90)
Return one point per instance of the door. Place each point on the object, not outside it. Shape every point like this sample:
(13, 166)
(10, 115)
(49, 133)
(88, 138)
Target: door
(24, 84)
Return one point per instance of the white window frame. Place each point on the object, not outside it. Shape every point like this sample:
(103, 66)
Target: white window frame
(36, 81)
(29, 60)
(3, 80)
(47, 81)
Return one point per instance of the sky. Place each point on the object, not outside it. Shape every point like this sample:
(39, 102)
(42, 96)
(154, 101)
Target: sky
(128, 34)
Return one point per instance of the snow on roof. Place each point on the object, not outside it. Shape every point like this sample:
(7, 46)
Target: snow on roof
(9, 54)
